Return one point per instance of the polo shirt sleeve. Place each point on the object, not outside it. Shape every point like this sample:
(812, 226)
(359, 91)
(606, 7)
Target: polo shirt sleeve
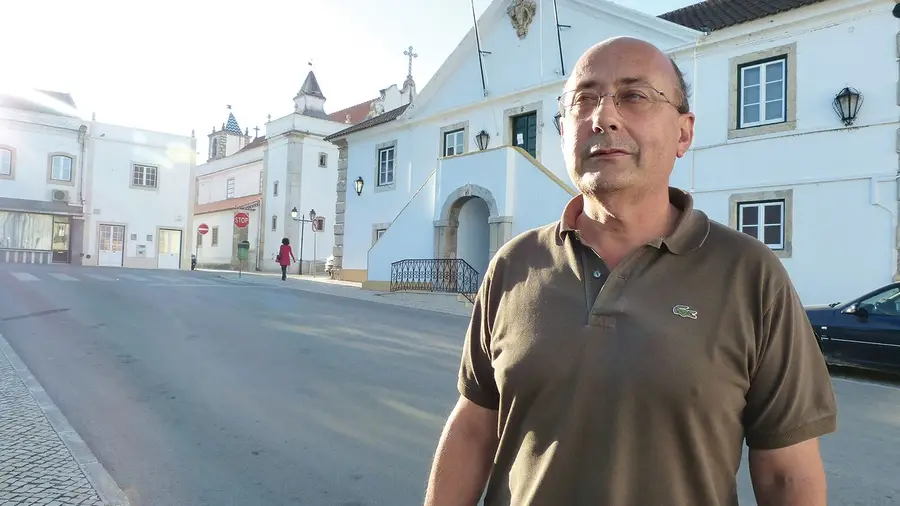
(790, 399)
(476, 372)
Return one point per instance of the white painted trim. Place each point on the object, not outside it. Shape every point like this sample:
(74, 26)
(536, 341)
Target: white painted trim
(882, 177)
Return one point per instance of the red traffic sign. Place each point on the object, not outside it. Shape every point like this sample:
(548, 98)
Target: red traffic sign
(241, 220)
(203, 229)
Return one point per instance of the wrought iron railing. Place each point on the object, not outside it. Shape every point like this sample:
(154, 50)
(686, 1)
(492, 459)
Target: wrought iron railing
(450, 275)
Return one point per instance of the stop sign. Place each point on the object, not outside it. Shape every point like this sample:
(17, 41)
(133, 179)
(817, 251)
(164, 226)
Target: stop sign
(203, 229)
(241, 220)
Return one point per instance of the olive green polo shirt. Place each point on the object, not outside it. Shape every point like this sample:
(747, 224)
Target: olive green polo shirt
(639, 386)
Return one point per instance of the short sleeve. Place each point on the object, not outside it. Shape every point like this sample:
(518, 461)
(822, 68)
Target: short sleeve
(476, 372)
(790, 399)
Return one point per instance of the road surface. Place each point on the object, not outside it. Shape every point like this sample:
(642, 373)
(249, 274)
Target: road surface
(194, 390)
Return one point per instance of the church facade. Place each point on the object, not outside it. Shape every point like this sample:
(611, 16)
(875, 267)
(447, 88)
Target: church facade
(435, 187)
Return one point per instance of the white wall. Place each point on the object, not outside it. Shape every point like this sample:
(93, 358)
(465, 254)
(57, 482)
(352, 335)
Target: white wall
(114, 200)
(214, 187)
(843, 239)
(221, 254)
(33, 137)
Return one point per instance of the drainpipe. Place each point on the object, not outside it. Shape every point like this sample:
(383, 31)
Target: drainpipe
(876, 201)
(82, 140)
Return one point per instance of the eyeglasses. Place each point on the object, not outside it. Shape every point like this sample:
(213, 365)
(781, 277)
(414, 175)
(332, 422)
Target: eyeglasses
(632, 100)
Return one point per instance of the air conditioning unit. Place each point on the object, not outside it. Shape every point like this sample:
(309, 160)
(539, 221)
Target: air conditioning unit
(60, 196)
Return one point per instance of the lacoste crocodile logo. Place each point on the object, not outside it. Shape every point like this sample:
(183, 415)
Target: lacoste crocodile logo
(684, 312)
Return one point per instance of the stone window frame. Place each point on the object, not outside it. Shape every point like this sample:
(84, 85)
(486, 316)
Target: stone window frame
(12, 162)
(462, 126)
(735, 201)
(131, 184)
(72, 173)
(323, 160)
(233, 188)
(378, 148)
(376, 227)
(510, 113)
(787, 52)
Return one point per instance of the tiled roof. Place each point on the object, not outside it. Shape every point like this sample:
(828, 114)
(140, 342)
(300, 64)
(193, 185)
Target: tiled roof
(225, 205)
(42, 102)
(255, 143)
(369, 123)
(712, 15)
(232, 125)
(353, 114)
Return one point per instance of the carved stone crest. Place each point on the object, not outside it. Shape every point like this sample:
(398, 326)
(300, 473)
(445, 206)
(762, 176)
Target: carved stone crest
(521, 14)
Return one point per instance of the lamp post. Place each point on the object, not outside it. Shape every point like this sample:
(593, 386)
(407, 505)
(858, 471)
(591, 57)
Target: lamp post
(359, 185)
(303, 221)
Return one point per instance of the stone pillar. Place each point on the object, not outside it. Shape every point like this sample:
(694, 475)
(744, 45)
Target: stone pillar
(445, 239)
(340, 208)
(500, 232)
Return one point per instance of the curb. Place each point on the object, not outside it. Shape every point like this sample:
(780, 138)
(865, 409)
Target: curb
(99, 478)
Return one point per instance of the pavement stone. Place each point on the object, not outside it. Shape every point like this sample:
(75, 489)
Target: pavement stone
(426, 301)
(36, 466)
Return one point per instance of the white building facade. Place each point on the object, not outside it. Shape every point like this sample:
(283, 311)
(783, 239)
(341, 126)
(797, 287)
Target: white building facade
(289, 168)
(475, 160)
(90, 193)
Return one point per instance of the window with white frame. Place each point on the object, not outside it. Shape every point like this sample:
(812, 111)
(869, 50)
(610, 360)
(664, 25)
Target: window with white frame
(379, 232)
(199, 239)
(323, 159)
(229, 188)
(454, 143)
(274, 223)
(386, 166)
(144, 175)
(61, 168)
(261, 185)
(215, 236)
(275, 189)
(763, 220)
(6, 161)
(763, 92)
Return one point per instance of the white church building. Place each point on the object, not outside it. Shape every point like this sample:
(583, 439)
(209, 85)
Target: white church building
(284, 181)
(796, 140)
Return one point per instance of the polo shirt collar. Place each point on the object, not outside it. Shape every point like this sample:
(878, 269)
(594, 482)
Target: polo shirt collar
(690, 231)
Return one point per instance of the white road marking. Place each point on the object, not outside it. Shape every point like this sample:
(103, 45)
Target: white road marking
(99, 277)
(132, 277)
(24, 276)
(62, 277)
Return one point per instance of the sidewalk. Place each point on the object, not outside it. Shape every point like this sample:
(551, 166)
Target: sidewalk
(43, 462)
(445, 303)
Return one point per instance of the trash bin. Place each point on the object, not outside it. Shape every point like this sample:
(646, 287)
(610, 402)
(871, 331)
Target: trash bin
(243, 250)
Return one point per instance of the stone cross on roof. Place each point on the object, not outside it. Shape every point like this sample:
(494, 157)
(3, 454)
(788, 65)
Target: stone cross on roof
(409, 52)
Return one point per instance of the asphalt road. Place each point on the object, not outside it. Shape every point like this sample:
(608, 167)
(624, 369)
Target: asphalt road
(195, 391)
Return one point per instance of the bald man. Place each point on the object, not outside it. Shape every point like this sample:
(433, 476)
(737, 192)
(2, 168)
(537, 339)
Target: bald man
(622, 355)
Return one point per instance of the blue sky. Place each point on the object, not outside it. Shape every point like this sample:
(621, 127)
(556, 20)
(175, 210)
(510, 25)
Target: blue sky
(173, 65)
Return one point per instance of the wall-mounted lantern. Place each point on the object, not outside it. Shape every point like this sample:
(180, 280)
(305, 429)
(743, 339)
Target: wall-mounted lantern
(359, 185)
(556, 119)
(846, 104)
(482, 139)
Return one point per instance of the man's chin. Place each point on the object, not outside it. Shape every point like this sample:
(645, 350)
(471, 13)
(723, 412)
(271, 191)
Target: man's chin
(597, 183)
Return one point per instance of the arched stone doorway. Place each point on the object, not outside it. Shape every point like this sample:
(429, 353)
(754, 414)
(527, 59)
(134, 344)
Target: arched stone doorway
(471, 227)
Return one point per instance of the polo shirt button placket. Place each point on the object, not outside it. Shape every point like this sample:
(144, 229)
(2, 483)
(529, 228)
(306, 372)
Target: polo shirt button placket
(597, 274)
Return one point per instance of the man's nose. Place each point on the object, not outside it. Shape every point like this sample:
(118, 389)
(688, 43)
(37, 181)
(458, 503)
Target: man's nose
(606, 117)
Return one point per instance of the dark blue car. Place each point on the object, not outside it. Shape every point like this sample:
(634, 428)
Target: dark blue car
(863, 332)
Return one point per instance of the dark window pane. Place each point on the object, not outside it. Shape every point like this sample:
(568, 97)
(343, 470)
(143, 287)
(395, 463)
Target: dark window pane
(772, 214)
(749, 215)
(752, 231)
(772, 235)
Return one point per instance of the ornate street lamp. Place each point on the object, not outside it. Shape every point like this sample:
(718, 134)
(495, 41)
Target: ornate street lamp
(303, 221)
(482, 139)
(294, 213)
(846, 104)
(359, 185)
